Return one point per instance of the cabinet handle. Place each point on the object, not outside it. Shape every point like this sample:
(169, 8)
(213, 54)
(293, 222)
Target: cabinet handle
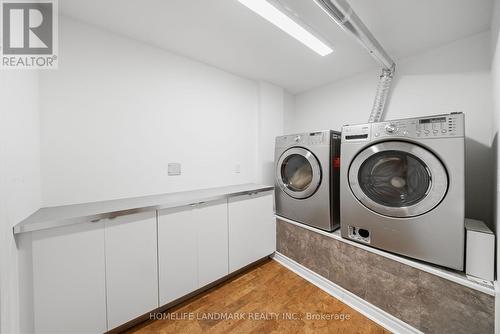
(100, 219)
(196, 204)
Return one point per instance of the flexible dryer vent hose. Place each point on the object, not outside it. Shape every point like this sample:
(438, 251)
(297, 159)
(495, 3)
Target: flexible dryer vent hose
(383, 91)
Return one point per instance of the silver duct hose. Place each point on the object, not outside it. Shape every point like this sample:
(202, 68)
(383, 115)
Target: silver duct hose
(341, 12)
(383, 90)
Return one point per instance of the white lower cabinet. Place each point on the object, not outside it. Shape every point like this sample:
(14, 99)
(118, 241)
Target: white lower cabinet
(131, 267)
(252, 229)
(94, 277)
(69, 294)
(192, 248)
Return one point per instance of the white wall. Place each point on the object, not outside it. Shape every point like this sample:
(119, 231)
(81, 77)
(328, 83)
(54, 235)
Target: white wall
(271, 115)
(19, 179)
(288, 112)
(118, 111)
(454, 77)
(495, 73)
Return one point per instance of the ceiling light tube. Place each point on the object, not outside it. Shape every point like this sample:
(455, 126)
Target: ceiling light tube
(287, 24)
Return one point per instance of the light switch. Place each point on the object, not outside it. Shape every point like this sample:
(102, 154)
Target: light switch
(237, 168)
(174, 169)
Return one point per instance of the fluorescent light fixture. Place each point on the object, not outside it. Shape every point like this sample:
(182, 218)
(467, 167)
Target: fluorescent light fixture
(288, 25)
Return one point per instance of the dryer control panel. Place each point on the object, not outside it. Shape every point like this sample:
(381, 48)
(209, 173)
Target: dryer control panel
(304, 139)
(439, 126)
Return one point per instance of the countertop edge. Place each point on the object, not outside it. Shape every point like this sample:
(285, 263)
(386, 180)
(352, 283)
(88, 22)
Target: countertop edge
(28, 225)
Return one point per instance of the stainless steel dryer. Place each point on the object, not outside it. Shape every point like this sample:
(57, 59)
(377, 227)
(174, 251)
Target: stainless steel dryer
(402, 187)
(307, 178)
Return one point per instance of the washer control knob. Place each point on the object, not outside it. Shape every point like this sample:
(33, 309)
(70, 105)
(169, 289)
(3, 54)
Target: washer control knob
(435, 131)
(426, 132)
(390, 128)
(297, 139)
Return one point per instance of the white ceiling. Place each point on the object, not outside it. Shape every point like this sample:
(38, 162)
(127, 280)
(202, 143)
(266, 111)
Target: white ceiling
(227, 35)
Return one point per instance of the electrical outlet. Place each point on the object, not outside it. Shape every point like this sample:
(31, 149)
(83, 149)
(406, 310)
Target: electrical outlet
(174, 169)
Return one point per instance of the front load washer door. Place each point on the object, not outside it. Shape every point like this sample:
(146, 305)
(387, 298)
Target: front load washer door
(398, 179)
(298, 173)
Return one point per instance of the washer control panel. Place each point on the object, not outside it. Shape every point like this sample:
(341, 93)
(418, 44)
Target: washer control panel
(441, 126)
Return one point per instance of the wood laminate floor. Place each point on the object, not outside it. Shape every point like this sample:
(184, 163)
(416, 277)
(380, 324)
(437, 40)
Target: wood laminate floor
(266, 299)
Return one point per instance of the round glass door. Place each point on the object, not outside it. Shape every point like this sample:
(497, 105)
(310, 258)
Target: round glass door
(394, 178)
(298, 173)
(398, 179)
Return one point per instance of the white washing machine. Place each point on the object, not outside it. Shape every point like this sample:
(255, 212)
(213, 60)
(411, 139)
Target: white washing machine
(307, 178)
(402, 187)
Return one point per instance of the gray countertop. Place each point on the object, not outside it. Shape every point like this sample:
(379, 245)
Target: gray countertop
(79, 213)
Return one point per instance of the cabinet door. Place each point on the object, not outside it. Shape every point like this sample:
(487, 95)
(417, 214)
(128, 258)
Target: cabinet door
(252, 229)
(131, 267)
(177, 253)
(69, 279)
(212, 241)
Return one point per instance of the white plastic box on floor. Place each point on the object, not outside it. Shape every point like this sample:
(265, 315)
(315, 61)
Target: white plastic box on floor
(480, 250)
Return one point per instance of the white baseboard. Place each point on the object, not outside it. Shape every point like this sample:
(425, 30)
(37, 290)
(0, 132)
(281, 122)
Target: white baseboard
(370, 311)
